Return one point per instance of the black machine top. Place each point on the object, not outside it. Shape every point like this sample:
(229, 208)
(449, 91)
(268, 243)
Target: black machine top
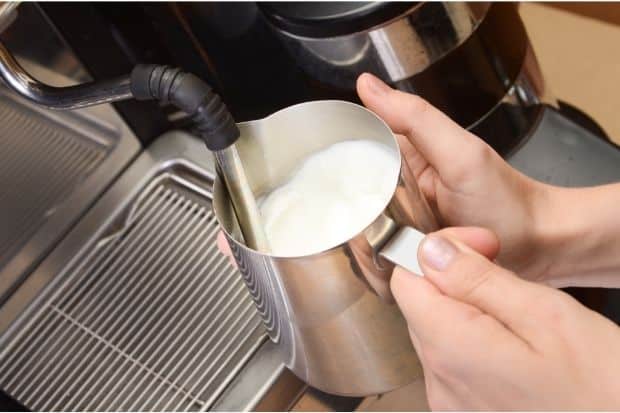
(331, 18)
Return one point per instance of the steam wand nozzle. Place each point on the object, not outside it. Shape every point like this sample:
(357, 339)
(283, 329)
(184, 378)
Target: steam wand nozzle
(216, 128)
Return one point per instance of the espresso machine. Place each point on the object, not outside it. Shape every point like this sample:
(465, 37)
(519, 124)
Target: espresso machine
(112, 293)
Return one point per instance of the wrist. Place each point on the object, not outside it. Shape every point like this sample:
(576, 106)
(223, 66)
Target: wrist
(574, 233)
(553, 231)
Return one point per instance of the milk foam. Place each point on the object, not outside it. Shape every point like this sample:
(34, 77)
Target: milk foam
(333, 195)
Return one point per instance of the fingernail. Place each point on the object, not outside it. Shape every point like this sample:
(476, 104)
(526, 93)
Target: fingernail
(375, 85)
(437, 252)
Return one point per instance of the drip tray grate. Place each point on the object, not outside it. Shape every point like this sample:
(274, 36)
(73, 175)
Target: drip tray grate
(150, 317)
(41, 162)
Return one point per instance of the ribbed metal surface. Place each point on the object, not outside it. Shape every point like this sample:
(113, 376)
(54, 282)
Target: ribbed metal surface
(257, 276)
(151, 317)
(40, 163)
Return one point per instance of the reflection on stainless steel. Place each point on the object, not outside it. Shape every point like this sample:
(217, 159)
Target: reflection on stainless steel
(402, 248)
(68, 97)
(51, 51)
(400, 50)
(516, 116)
(8, 13)
(394, 51)
(53, 166)
(326, 310)
(411, 206)
(406, 46)
(468, 59)
(530, 85)
(141, 311)
(341, 54)
(242, 198)
(366, 248)
(264, 384)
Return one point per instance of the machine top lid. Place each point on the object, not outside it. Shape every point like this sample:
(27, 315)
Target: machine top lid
(331, 18)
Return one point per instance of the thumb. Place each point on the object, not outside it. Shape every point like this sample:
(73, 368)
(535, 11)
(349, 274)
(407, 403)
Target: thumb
(481, 240)
(467, 276)
(443, 143)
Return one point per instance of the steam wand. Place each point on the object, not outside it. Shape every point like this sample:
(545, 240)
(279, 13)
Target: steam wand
(217, 129)
(186, 91)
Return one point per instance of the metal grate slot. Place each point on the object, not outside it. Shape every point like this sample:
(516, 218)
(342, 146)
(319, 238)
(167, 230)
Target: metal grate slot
(151, 317)
(41, 162)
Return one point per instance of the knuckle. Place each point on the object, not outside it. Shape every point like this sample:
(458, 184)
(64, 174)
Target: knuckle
(556, 308)
(479, 157)
(419, 105)
(559, 333)
(482, 153)
(419, 109)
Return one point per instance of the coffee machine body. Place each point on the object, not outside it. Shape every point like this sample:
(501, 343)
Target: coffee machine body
(473, 61)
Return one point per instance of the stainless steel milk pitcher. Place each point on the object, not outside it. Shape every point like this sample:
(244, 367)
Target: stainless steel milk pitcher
(331, 313)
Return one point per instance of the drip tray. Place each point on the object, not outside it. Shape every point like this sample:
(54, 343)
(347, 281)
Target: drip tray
(137, 310)
(52, 167)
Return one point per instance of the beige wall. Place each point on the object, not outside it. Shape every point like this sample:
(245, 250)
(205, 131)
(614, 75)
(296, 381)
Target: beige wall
(578, 47)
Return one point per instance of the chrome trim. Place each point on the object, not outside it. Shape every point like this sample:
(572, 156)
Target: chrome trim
(62, 98)
(396, 50)
(246, 208)
(8, 13)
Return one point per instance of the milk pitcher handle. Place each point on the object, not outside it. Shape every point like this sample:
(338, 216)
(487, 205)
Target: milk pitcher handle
(402, 249)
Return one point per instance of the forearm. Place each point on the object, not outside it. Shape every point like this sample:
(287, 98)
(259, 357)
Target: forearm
(579, 231)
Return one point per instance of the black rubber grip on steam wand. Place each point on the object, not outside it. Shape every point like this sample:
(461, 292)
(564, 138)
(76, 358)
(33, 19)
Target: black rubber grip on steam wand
(193, 96)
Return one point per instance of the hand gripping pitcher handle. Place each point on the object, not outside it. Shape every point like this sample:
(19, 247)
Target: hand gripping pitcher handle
(402, 249)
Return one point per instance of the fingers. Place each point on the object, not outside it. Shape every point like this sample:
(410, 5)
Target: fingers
(452, 334)
(463, 274)
(412, 156)
(222, 244)
(447, 333)
(419, 299)
(224, 248)
(443, 143)
(427, 310)
(482, 240)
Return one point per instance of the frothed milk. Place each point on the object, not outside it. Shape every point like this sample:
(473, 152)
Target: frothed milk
(330, 198)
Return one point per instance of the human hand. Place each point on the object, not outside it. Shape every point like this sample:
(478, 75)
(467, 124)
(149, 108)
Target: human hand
(465, 181)
(490, 340)
(559, 236)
